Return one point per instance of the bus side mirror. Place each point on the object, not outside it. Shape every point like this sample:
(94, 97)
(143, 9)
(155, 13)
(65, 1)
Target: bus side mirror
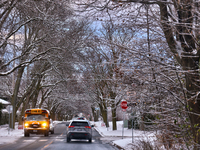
(23, 118)
(47, 117)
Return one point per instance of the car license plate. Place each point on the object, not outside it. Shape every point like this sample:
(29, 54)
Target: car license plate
(34, 130)
(79, 129)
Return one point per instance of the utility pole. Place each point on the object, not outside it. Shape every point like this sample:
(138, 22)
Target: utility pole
(13, 81)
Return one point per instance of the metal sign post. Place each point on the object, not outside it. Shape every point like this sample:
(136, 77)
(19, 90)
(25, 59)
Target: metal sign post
(9, 125)
(123, 124)
(132, 129)
(124, 107)
(9, 108)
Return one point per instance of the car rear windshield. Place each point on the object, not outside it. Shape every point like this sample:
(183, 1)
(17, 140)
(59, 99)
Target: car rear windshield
(79, 124)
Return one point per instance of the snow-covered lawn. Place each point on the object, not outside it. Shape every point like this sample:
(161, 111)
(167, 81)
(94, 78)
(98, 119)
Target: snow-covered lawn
(130, 137)
(9, 136)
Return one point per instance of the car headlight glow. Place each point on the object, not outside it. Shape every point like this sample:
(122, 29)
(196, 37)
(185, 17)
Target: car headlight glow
(44, 125)
(26, 124)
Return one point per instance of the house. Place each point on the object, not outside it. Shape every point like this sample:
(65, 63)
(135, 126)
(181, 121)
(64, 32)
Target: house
(5, 104)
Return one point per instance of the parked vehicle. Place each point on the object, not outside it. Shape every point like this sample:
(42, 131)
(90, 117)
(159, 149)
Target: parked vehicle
(79, 129)
(51, 127)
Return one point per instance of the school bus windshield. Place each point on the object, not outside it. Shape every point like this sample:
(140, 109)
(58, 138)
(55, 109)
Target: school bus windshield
(35, 117)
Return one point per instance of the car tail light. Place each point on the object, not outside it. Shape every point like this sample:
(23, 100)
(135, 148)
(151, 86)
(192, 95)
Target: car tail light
(71, 127)
(88, 127)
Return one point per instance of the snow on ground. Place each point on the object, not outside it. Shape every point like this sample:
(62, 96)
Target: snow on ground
(7, 136)
(10, 136)
(129, 136)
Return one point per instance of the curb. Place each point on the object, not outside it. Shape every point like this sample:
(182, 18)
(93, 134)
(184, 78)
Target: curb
(119, 147)
(111, 143)
(99, 132)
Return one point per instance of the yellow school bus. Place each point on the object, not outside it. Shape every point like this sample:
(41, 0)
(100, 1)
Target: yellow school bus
(36, 121)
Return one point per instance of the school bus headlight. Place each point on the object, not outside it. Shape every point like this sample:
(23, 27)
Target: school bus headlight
(26, 124)
(44, 125)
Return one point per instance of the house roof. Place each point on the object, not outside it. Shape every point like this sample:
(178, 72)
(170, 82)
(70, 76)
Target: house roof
(4, 102)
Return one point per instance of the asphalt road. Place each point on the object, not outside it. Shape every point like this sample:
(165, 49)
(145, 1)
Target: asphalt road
(57, 141)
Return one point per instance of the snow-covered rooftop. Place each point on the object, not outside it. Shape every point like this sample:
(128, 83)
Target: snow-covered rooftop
(4, 102)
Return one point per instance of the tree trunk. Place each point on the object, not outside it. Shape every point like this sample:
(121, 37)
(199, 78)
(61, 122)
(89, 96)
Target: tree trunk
(36, 93)
(105, 117)
(104, 114)
(53, 115)
(24, 107)
(1, 106)
(95, 114)
(113, 109)
(15, 95)
(189, 64)
(42, 99)
(114, 119)
(188, 60)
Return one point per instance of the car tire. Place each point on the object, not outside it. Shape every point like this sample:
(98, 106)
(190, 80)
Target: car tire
(52, 132)
(46, 133)
(68, 140)
(26, 134)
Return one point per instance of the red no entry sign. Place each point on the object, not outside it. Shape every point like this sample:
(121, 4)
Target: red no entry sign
(124, 105)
